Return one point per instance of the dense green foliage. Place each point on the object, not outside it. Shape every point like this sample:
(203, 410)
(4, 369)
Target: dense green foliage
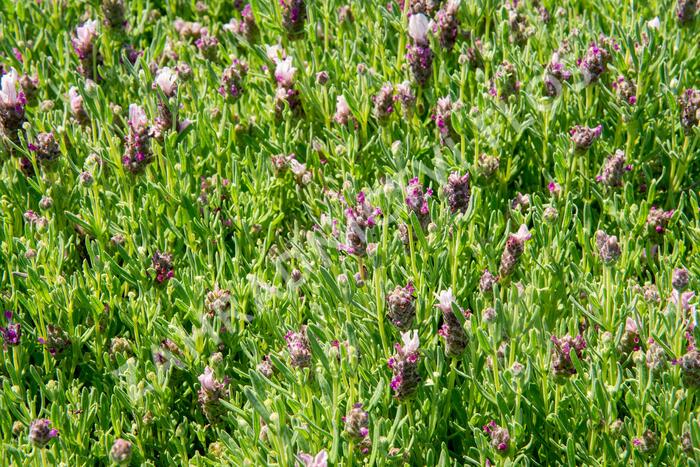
(218, 292)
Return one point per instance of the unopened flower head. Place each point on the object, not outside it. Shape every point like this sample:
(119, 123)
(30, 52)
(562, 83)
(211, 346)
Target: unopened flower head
(293, 17)
(113, 12)
(343, 114)
(689, 102)
(383, 103)
(500, 437)
(246, 27)
(519, 29)
(232, 80)
(625, 89)
(608, 248)
(46, 150)
(162, 263)
(299, 348)
(12, 333)
(207, 45)
(417, 201)
(686, 10)
(41, 433)
(458, 192)
(77, 106)
(561, 363)
(56, 341)
(446, 24)
(443, 115)
(657, 221)
(614, 168)
(401, 307)
(629, 342)
(487, 281)
(406, 97)
(120, 452)
(505, 82)
(595, 62)
(680, 279)
(583, 137)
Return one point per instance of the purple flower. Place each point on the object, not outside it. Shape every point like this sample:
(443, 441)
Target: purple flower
(401, 307)
(358, 219)
(11, 334)
(458, 192)
(137, 154)
(293, 17)
(319, 460)
(40, 432)
(446, 24)
(583, 137)
(689, 101)
(561, 363)
(555, 75)
(416, 201)
(383, 103)
(210, 395)
(500, 437)
(443, 115)
(608, 248)
(162, 263)
(686, 10)
(456, 338)
(12, 101)
(515, 246)
(404, 366)
(299, 348)
(84, 46)
(120, 452)
(613, 170)
(232, 80)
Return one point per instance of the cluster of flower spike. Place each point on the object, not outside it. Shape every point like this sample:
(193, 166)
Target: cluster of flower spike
(404, 366)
